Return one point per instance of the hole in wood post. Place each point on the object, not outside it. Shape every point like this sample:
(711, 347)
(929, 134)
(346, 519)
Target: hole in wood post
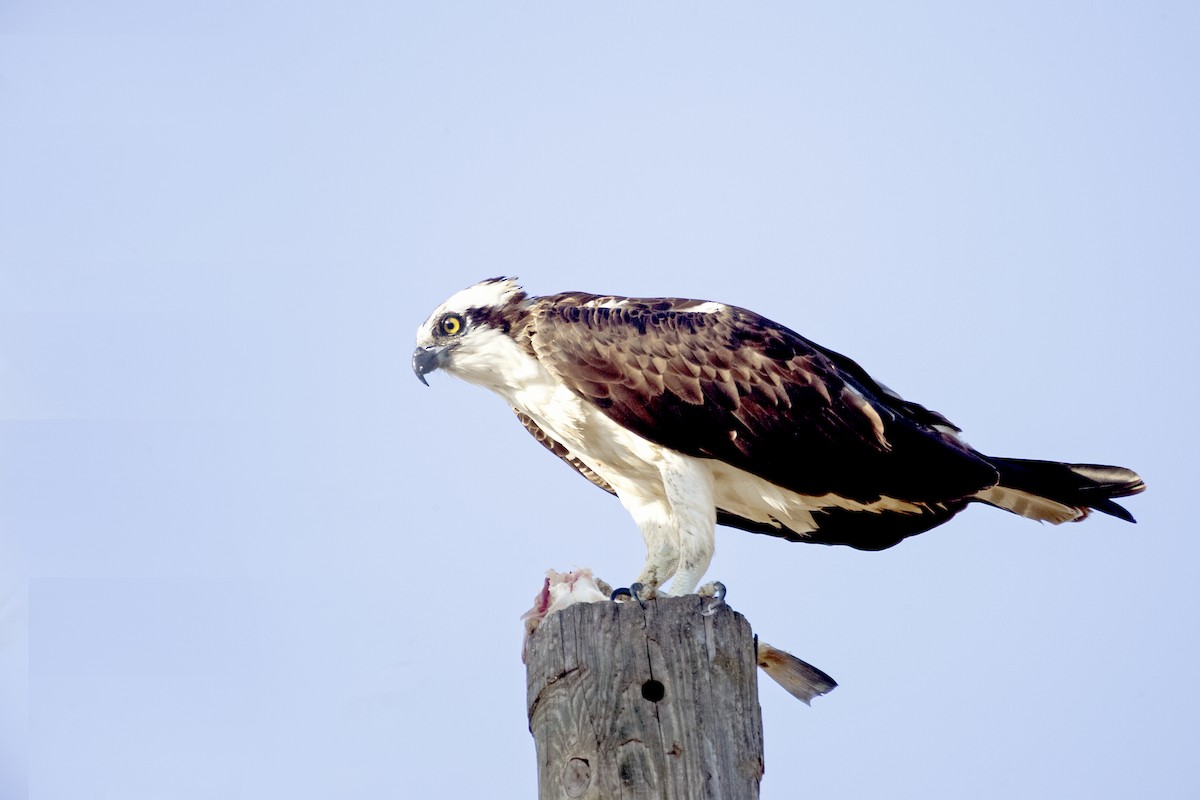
(653, 690)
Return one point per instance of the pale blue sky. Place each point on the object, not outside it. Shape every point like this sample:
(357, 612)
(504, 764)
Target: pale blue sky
(245, 554)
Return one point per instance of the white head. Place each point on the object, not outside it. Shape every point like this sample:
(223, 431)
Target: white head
(466, 334)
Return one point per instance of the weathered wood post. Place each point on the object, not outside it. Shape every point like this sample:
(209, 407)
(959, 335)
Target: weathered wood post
(656, 702)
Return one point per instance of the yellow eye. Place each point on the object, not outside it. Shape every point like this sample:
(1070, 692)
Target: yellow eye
(451, 324)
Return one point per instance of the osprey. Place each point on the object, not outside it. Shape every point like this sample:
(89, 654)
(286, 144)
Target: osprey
(696, 413)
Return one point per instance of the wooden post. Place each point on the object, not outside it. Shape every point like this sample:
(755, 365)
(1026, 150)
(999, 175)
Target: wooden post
(657, 702)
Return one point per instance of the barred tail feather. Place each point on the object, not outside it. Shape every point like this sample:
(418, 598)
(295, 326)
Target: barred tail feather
(1054, 492)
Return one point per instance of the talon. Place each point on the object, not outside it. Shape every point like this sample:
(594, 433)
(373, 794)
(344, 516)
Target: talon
(636, 591)
(718, 598)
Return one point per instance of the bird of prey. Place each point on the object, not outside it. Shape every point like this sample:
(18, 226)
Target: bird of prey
(696, 413)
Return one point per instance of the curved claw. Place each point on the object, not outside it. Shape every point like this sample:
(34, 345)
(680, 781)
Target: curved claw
(634, 592)
(718, 598)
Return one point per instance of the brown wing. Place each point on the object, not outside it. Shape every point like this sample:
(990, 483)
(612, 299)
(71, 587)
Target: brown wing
(734, 386)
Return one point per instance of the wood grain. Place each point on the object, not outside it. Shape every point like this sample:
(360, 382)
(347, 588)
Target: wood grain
(590, 670)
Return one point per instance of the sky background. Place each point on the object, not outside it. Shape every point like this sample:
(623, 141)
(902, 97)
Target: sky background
(244, 554)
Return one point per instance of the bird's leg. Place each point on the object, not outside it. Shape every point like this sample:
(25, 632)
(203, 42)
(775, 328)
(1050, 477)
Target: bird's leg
(689, 490)
(654, 519)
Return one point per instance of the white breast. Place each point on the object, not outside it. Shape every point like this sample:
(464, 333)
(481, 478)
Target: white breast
(621, 457)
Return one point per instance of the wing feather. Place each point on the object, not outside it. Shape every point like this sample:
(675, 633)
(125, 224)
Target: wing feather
(731, 385)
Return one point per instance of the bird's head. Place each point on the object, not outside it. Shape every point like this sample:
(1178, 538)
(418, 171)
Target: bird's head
(468, 335)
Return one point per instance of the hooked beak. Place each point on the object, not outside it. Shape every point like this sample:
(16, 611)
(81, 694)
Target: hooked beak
(427, 359)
